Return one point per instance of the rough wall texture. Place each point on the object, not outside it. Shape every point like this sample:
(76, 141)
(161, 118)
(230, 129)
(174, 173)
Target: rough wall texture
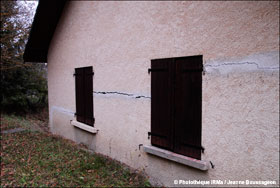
(239, 42)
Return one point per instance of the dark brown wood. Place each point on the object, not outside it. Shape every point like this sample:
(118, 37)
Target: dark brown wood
(176, 104)
(79, 82)
(84, 95)
(88, 96)
(188, 98)
(161, 119)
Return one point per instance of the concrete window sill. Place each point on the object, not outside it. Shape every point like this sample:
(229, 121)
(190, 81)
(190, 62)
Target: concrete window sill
(84, 127)
(199, 164)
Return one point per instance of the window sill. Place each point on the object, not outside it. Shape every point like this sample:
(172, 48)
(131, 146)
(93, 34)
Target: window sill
(84, 127)
(199, 164)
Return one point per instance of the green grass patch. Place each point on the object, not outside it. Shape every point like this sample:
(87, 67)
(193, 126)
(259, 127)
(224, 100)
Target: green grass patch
(29, 122)
(38, 159)
(12, 121)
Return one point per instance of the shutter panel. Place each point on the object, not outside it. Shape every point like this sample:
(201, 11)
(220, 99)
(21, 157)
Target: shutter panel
(80, 99)
(84, 95)
(88, 89)
(188, 99)
(161, 101)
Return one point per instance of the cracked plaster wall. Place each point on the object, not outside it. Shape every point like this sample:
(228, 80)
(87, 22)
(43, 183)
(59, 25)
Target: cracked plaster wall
(239, 42)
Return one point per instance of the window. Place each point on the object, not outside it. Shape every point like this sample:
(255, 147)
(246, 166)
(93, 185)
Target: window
(176, 94)
(84, 95)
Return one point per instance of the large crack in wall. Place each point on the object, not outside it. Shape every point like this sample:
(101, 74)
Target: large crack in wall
(261, 62)
(130, 95)
(264, 62)
(244, 63)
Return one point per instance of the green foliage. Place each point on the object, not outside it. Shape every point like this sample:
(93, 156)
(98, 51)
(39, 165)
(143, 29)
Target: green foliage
(23, 85)
(23, 89)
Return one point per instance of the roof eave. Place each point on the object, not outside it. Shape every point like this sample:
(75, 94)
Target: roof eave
(43, 27)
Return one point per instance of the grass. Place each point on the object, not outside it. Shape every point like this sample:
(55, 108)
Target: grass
(12, 121)
(38, 159)
(38, 121)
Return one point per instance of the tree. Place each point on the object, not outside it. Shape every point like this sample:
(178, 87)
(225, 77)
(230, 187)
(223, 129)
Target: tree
(23, 85)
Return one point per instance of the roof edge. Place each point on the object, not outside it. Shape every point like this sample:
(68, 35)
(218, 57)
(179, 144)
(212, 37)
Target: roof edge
(42, 30)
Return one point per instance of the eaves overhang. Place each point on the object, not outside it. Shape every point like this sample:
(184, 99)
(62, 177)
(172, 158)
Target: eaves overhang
(43, 27)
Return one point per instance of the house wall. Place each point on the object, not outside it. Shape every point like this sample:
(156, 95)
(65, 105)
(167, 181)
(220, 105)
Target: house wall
(239, 42)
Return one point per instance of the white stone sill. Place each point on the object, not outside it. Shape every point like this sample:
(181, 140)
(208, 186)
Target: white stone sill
(84, 127)
(199, 164)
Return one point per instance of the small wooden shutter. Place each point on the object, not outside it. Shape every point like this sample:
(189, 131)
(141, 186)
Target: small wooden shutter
(188, 99)
(84, 95)
(161, 100)
(80, 100)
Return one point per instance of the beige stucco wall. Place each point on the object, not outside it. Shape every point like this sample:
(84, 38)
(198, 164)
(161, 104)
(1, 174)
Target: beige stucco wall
(239, 42)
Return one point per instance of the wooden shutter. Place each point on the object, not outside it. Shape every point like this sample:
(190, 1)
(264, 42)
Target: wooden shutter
(188, 99)
(88, 74)
(84, 95)
(80, 100)
(161, 100)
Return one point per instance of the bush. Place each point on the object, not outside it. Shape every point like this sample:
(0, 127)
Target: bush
(23, 89)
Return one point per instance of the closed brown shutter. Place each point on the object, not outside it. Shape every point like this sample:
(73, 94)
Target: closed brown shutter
(176, 92)
(188, 99)
(161, 99)
(84, 95)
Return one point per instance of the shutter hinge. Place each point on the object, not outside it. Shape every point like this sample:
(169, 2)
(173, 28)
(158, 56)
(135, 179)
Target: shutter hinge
(149, 134)
(76, 74)
(157, 70)
(194, 146)
(192, 70)
(154, 134)
(202, 149)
